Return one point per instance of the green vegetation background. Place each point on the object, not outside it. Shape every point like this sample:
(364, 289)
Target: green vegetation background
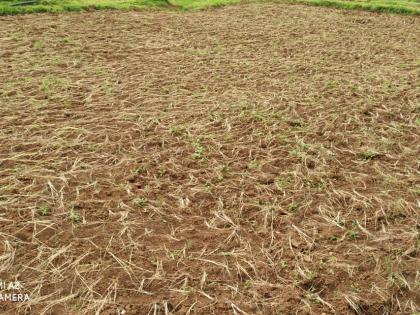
(29, 6)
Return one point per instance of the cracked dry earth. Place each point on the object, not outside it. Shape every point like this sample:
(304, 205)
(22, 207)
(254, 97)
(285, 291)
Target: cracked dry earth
(253, 159)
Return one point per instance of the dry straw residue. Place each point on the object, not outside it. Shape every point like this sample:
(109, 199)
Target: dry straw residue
(255, 159)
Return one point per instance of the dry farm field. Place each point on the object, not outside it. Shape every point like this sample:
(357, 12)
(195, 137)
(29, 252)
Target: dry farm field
(251, 159)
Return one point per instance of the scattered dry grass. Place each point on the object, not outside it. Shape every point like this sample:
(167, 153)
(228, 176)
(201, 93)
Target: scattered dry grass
(257, 159)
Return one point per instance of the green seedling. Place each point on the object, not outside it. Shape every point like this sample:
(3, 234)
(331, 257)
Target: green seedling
(140, 202)
(44, 210)
(161, 172)
(198, 150)
(74, 216)
(369, 155)
(253, 165)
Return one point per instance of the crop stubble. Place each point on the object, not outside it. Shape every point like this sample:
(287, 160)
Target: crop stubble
(255, 159)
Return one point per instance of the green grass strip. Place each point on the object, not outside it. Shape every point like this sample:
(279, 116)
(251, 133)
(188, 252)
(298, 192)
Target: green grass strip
(404, 7)
(8, 7)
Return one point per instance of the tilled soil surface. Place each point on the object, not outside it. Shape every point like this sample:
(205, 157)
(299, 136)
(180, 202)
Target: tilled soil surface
(254, 159)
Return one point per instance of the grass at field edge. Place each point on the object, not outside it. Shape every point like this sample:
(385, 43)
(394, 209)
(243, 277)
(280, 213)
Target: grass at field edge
(374, 7)
(188, 5)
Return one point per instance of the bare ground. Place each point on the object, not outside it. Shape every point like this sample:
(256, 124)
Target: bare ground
(255, 159)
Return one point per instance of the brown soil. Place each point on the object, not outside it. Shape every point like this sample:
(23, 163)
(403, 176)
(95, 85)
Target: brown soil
(255, 159)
